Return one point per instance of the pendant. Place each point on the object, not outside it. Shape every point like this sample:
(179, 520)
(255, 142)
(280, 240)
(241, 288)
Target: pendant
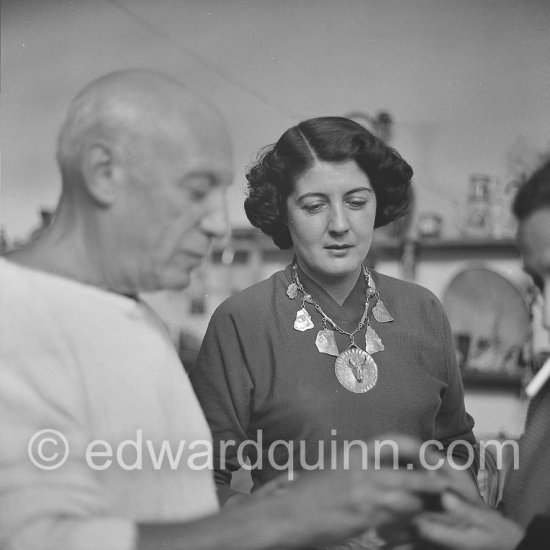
(370, 282)
(356, 370)
(292, 291)
(303, 320)
(381, 313)
(373, 341)
(326, 343)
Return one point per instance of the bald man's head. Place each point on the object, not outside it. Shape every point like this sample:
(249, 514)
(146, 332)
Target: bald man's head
(127, 110)
(145, 166)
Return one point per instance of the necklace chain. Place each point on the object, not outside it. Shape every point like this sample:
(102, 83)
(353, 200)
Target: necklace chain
(308, 298)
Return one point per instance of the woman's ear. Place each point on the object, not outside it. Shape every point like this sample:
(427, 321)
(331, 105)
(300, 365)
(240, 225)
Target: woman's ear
(283, 209)
(100, 173)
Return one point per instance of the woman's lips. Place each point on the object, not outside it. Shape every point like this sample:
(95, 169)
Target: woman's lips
(338, 251)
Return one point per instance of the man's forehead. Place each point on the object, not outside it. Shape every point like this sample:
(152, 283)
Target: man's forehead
(536, 226)
(210, 137)
(208, 150)
(534, 239)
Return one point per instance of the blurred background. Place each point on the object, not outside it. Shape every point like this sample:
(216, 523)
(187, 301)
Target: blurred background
(461, 88)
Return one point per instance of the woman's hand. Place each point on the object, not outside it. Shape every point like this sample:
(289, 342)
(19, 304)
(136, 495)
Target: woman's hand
(236, 498)
(346, 501)
(458, 480)
(466, 526)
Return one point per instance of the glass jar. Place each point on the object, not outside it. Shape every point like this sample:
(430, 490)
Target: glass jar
(477, 220)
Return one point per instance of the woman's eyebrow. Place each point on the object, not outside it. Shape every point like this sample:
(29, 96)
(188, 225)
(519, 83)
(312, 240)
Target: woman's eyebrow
(311, 194)
(357, 189)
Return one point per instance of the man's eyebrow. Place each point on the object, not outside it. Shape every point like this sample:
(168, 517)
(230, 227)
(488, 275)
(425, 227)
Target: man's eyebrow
(211, 177)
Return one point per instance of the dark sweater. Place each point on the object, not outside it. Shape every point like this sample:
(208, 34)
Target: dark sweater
(255, 371)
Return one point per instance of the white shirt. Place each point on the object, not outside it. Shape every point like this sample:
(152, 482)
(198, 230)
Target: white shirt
(92, 365)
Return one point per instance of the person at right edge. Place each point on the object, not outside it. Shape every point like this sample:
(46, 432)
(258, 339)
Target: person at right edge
(524, 521)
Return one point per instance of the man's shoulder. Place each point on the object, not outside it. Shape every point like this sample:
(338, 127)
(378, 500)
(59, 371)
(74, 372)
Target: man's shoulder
(23, 286)
(16, 286)
(39, 304)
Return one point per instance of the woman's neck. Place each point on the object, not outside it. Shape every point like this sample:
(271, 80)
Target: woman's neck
(337, 287)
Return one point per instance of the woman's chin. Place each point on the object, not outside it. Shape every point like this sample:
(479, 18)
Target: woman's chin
(342, 267)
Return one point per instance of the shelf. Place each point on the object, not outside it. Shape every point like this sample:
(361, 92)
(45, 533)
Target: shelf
(492, 381)
(245, 240)
(441, 248)
(506, 246)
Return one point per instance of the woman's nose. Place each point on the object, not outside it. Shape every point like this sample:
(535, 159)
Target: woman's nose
(338, 222)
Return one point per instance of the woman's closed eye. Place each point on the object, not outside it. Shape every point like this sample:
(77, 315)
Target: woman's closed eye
(313, 207)
(357, 203)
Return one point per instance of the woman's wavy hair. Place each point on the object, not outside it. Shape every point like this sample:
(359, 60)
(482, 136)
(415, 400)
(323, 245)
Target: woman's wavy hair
(330, 139)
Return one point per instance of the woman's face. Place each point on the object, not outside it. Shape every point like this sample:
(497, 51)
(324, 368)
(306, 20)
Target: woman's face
(331, 213)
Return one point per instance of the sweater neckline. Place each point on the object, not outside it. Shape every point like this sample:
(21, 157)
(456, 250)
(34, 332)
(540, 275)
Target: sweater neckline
(351, 309)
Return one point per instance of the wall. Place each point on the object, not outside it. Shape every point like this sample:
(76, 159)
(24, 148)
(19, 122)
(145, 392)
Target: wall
(466, 82)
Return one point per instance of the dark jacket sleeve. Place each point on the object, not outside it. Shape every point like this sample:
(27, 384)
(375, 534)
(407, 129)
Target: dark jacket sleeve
(537, 536)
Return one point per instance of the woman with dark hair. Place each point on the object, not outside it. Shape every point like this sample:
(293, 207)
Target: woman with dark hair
(326, 351)
(333, 140)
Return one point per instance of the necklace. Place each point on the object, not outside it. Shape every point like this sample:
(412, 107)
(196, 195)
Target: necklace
(354, 368)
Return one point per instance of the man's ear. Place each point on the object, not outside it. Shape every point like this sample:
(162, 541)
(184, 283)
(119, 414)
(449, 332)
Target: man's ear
(100, 173)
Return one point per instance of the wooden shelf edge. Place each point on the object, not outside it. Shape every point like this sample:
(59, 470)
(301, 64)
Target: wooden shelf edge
(494, 381)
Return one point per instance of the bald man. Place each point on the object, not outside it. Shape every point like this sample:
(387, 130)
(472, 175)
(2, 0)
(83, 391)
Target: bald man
(525, 520)
(104, 445)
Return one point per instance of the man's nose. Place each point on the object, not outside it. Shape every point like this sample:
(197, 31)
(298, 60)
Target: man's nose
(216, 220)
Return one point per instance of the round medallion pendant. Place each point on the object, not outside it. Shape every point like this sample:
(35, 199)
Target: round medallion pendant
(356, 370)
